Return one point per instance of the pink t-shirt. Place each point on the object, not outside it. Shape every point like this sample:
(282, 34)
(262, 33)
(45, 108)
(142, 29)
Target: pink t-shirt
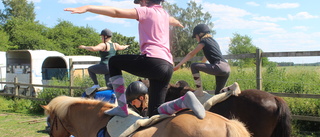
(154, 32)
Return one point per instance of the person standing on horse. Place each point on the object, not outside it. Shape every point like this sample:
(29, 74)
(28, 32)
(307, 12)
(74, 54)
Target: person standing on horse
(218, 65)
(154, 63)
(106, 49)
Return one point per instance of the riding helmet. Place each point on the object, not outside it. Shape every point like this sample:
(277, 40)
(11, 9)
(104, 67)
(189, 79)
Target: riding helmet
(201, 28)
(134, 90)
(106, 32)
(136, 1)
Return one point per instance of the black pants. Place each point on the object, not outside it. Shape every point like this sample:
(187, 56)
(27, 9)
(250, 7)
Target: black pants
(158, 71)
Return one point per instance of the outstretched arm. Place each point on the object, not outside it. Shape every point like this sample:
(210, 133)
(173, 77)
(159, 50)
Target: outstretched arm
(174, 22)
(189, 56)
(121, 47)
(105, 10)
(98, 47)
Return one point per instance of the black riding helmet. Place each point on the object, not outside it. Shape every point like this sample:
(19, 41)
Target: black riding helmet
(134, 90)
(106, 32)
(201, 28)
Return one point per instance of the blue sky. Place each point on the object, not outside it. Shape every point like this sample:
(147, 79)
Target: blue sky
(273, 25)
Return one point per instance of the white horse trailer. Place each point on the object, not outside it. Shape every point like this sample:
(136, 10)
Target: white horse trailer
(58, 66)
(26, 66)
(3, 63)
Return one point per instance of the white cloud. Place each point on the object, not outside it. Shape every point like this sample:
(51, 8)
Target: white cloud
(298, 41)
(224, 11)
(283, 5)
(251, 3)
(109, 20)
(302, 15)
(267, 18)
(302, 28)
(224, 44)
(267, 30)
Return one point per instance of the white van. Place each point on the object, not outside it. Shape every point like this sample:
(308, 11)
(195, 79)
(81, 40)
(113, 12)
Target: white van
(3, 63)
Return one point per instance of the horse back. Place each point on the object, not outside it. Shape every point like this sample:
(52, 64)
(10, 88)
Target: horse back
(186, 124)
(258, 110)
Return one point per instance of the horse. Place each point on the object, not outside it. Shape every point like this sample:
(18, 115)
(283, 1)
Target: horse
(264, 114)
(82, 117)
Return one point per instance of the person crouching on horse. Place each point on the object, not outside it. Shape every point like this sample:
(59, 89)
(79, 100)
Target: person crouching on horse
(106, 49)
(217, 66)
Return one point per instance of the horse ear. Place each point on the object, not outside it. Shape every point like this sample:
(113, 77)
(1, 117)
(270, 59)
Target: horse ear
(45, 107)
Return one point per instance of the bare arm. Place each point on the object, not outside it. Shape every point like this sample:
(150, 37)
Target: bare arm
(174, 22)
(105, 10)
(189, 56)
(120, 47)
(98, 47)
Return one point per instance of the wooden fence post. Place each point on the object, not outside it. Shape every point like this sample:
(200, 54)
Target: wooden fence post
(258, 69)
(71, 77)
(16, 86)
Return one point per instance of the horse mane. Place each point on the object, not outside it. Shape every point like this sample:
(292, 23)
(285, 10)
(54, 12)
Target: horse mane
(60, 105)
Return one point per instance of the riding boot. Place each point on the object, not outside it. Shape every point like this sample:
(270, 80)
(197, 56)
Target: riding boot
(189, 100)
(199, 90)
(118, 86)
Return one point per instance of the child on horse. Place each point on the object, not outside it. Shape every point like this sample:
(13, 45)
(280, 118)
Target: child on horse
(154, 63)
(217, 66)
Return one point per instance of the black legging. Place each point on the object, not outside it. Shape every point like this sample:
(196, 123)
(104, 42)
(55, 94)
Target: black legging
(158, 71)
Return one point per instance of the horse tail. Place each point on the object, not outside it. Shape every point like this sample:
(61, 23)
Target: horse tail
(236, 128)
(283, 127)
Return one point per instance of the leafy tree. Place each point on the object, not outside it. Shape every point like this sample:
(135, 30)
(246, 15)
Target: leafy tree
(67, 37)
(243, 45)
(27, 34)
(181, 38)
(4, 41)
(17, 8)
(123, 40)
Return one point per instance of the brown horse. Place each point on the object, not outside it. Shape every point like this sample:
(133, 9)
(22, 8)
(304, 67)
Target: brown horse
(264, 114)
(84, 118)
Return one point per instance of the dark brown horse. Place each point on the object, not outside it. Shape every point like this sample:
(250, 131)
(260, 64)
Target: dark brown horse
(264, 114)
(84, 118)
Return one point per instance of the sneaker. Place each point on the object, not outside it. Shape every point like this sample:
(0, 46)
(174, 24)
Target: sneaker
(234, 88)
(95, 86)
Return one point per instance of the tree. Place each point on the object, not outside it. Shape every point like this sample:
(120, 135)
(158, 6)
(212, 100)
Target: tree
(243, 45)
(27, 34)
(134, 47)
(17, 8)
(181, 38)
(4, 41)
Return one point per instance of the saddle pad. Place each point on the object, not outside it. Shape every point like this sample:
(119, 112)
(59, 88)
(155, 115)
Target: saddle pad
(124, 126)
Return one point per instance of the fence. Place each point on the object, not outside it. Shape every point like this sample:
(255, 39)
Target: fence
(258, 56)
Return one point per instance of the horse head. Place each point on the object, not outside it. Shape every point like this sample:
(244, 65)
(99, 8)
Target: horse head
(57, 129)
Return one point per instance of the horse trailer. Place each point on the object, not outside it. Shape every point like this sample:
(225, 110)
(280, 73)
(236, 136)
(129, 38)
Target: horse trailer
(2, 69)
(58, 67)
(25, 65)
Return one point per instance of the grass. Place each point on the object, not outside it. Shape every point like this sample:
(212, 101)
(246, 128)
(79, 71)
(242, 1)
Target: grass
(17, 124)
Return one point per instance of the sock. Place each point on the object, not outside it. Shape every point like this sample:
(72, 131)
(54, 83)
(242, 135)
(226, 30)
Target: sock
(122, 108)
(197, 80)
